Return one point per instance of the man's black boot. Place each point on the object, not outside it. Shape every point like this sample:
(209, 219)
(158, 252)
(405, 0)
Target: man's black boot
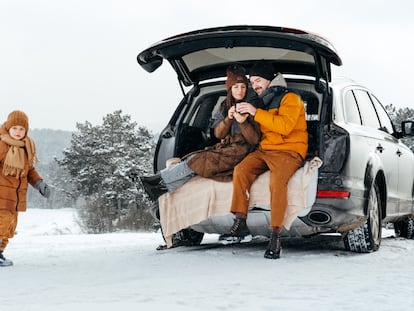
(239, 227)
(274, 247)
(238, 230)
(154, 186)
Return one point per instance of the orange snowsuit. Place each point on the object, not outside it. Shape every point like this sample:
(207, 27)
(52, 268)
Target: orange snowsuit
(13, 192)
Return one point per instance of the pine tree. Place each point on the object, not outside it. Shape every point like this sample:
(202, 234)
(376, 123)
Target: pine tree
(99, 161)
(49, 146)
(397, 116)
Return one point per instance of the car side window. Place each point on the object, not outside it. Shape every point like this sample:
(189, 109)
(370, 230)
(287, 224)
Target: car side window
(202, 113)
(368, 114)
(386, 124)
(351, 109)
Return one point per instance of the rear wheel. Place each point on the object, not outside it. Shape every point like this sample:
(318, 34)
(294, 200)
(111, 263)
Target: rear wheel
(184, 237)
(187, 237)
(405, 228)
(367, 238)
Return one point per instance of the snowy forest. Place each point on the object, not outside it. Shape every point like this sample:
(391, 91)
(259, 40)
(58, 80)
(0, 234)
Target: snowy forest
(88, 170)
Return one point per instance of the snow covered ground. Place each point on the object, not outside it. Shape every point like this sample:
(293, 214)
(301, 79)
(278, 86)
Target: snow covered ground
(56, 267)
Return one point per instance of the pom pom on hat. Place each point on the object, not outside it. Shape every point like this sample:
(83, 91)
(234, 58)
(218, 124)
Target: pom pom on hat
(235, 74)
(263, 70)
(17, 117)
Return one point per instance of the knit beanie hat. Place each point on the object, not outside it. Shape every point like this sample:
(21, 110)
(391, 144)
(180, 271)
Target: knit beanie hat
(263, 70)
(17, 117)
(235, 74)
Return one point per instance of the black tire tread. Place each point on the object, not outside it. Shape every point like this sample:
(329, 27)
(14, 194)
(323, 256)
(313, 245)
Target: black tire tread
(405, 228)
(358, 241)
(361, 239)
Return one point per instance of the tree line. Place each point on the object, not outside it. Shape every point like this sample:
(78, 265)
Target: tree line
(91, 174)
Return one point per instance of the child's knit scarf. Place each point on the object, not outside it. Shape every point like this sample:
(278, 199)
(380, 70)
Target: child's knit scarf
(14, 161)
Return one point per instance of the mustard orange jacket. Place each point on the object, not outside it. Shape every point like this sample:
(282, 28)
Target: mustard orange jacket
(13, 191)
(284, 128)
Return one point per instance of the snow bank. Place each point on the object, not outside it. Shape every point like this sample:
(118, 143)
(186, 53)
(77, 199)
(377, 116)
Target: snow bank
(48, 222)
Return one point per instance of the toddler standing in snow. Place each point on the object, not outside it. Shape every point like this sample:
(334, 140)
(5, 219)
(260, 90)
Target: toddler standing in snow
(17, 159)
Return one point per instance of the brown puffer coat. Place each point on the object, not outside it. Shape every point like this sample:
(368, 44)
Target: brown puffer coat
(13, 190)
(218, 161)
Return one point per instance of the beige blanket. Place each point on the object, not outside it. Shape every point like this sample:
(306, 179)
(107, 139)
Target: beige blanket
(201, 198)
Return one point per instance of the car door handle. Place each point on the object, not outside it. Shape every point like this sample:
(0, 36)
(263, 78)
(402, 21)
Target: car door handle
(399, 153)
(380, 148)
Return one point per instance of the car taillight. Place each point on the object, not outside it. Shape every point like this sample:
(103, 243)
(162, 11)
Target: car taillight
(333, 194)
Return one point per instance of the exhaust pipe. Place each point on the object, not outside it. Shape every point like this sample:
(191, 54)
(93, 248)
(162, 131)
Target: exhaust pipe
(319, 217)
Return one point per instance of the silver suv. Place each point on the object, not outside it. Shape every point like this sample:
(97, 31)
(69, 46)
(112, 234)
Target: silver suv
(367, 177)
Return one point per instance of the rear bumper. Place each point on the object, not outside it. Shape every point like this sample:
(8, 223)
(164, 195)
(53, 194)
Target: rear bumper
(326, 215)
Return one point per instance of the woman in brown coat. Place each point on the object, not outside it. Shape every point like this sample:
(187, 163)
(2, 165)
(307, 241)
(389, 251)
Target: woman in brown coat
(238, 134)
(17, 159)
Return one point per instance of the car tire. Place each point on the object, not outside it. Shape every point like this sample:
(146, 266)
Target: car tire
(187, 237)
(184, 237)
(367, 238)
(405, 228)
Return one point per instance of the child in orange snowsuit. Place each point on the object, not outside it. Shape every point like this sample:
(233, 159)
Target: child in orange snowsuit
(17, 159)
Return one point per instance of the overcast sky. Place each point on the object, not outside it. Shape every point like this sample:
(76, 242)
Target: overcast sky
(68, 61)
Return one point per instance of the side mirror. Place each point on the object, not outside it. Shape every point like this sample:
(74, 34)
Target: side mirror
(407, 128)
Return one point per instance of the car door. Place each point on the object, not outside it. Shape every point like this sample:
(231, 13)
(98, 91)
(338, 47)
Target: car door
(403, 157)
(204, 54)
(382, 144)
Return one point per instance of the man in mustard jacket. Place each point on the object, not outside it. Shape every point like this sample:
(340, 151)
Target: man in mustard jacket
(282, 150)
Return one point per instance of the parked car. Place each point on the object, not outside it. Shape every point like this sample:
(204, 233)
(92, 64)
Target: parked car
(367, 177)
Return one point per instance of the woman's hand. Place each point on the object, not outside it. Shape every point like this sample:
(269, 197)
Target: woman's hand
(246, 108)
(241, 117)
(231, 112)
